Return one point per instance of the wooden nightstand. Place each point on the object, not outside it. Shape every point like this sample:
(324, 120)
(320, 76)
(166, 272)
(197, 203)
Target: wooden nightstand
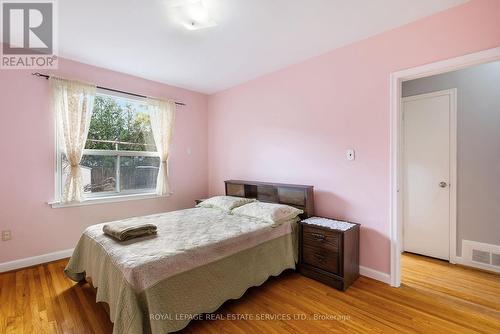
(329, 254)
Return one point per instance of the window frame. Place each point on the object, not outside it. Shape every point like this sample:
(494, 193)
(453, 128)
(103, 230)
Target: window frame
(108, 196)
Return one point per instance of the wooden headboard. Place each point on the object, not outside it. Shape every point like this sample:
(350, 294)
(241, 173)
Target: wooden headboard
(299, 196)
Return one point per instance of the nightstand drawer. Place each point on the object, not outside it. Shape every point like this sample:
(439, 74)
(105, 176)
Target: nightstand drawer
(318, 237)
(321, 257)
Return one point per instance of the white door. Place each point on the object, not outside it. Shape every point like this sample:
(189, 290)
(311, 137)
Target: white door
(427, 121)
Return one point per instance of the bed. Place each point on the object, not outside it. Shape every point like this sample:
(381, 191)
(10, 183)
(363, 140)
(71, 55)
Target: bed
(201, 258)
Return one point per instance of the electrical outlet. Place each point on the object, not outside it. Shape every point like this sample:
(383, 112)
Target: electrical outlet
(6, 235)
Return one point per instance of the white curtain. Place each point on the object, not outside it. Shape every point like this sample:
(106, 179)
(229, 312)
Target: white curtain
(73, 102)
(162, 115)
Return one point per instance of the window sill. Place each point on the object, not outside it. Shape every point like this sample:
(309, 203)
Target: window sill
(109, 199)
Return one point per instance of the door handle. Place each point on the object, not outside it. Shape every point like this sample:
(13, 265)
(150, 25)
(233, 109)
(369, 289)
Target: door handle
(319, 257)
(443, 184)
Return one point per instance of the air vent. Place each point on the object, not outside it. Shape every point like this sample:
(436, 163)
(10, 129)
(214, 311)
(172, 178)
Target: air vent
(495, 259)
(481, 256)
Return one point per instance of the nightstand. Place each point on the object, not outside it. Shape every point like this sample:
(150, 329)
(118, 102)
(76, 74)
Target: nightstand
(329, 251)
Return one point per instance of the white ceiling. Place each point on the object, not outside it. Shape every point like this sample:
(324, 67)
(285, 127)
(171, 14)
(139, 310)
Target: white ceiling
(253, 37)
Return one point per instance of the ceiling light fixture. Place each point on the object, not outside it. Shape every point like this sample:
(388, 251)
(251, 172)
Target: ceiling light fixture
(191, 14)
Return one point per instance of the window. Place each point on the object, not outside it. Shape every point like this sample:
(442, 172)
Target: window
(120, 155)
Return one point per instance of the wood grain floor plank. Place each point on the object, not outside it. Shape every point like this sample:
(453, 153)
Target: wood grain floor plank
(435, 297)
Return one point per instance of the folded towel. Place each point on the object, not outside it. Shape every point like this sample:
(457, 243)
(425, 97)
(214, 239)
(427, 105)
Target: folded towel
(123, 230)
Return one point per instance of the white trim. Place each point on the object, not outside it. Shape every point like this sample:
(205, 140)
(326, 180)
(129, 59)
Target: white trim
(428, 95)
(469, 263)
(375, 274)
(396, 80)
(120, 95)
(31, 261)
(453, 175)
(452, 181)
(108, 199)
(58, 160)
(121, 153)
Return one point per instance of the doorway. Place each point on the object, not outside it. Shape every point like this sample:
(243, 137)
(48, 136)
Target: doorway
(396, 159)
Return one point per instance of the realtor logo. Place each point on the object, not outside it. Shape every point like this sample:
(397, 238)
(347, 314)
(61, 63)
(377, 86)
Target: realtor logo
(28, 34)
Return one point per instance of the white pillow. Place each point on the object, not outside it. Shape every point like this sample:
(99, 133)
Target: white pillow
(269, 212)
(226, 203)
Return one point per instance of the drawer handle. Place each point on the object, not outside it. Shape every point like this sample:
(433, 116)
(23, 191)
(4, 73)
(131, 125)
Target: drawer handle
(319, 257)
(319, 237)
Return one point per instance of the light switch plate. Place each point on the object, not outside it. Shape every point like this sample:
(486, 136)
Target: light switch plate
(6, 235)
(350, 154)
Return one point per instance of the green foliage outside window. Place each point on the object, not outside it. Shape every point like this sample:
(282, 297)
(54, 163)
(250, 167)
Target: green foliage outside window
(118, 125)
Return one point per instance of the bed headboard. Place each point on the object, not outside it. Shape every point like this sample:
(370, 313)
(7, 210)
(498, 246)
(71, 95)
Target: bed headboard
(296, 195)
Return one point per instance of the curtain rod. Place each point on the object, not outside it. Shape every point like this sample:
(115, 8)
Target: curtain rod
(38, 74)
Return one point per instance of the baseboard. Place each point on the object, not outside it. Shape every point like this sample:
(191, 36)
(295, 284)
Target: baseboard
(31, 261)
(469, 263)
(375, 274)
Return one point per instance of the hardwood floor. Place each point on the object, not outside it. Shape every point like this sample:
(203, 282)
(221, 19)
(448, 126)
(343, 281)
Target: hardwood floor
(435, 297)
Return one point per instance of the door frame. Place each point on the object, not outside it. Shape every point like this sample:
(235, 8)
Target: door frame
(452, 182)
(396, 81)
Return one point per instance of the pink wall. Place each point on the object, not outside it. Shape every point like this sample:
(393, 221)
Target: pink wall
(27, 161)
(294, 125)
